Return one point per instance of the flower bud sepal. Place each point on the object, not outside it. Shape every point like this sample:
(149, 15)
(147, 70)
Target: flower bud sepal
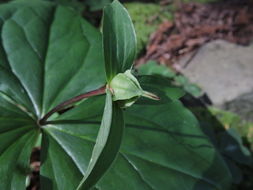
(126, 89)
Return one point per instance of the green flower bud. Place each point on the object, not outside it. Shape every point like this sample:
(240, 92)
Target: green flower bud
(126, 89)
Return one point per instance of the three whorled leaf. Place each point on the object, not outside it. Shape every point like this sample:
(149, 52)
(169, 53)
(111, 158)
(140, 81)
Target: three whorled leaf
(119, 46)
(49, 54)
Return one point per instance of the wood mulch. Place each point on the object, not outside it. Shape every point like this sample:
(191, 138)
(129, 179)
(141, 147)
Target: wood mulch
(35, 173)
(194, 25)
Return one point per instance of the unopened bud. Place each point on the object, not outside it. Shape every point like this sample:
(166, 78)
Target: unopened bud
(126, 89)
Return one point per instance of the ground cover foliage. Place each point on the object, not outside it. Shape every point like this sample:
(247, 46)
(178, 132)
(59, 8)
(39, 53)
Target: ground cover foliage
(49, 54)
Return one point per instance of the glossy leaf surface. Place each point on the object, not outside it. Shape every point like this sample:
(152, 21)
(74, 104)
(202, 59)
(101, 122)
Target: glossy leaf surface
(163, 148)
(49, 54)
(17, 136)
(161, 87)
(107, 144)
(119, 39)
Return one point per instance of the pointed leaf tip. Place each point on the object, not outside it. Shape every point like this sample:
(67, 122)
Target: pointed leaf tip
(107, 144)
(119, 39)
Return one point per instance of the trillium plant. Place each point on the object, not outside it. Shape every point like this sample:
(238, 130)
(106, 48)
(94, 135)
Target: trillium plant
(122, 89)
(69, 89)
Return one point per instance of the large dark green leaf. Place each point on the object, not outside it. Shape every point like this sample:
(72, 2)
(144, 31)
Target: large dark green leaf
(153, 68)
(18, 135)
(49, 54)
(163, 148)
(119, 39)
(161, 87)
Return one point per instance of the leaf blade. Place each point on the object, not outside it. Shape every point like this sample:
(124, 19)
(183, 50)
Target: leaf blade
(24, 54)
(107, 144)
(70, 70)
(163, 142)
(19, 40)
(119, 39)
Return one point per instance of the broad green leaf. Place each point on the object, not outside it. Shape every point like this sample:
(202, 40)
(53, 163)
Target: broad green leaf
(21, 31)
(172, 141)
(119, 39)
(18, 135)
(230, 144)
(49, 54)
(160, 86)
(107, 143)
(40, 31)
(225, 139)
(70, 70)
(153, 68)
(163, 148)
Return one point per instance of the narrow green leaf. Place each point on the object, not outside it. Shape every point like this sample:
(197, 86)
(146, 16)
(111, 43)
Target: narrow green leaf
(107, 144)
(119, 39)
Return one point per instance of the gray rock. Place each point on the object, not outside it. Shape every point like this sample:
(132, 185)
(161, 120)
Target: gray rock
(223, 70)
(242, 105)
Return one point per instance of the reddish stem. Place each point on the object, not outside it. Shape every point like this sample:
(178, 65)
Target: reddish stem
(59, 107)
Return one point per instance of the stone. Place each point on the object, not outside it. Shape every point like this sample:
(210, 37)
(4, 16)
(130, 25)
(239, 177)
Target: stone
(242, 105)
(223, 70)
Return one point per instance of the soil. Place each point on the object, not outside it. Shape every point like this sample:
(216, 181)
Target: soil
(35, 166)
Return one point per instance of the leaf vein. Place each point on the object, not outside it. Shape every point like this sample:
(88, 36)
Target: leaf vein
(137, 171)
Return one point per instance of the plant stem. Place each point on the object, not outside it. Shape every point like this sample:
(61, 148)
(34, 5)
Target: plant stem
(43, 121)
